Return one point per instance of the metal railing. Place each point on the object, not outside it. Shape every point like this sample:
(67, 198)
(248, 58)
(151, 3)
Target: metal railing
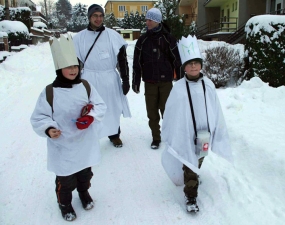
(226, 24)
(236, 36)
(240, 33)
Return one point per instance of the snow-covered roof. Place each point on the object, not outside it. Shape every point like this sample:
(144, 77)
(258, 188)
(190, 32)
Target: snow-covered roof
(39, 24)
(38, 17)
(48, 31)
(36, 29)
(20, 8)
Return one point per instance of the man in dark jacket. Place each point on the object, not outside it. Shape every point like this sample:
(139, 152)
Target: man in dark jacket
(156, 57)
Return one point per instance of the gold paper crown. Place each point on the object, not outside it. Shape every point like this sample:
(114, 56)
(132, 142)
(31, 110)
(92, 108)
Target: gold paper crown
(63, 52)
(188, 49)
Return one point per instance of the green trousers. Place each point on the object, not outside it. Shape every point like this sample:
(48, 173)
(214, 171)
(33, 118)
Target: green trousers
(156, 95)
(191, 181)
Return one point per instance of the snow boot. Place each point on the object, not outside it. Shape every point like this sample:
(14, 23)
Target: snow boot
(86, 200)
(67, 212)
(191, 205)
(155, 144)
(117, 142)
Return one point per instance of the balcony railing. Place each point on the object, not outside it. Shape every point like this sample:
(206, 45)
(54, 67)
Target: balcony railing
(226, 24)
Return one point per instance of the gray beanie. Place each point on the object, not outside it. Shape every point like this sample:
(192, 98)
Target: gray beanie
(94, 8)
(154, 14)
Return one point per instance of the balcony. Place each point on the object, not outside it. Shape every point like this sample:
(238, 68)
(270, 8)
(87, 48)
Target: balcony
(214, 3)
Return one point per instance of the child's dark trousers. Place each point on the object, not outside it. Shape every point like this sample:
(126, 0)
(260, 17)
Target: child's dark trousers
(66, 184)
(191, 181)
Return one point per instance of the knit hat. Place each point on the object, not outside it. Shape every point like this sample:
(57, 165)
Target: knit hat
(154, 14)
(94, 8)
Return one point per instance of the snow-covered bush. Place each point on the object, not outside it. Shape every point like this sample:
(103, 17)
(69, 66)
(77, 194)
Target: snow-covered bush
(224, 66)
(264, 48)
(40, 25)
(193, 28)
(22, 14)
(2, 13)
(16, 30)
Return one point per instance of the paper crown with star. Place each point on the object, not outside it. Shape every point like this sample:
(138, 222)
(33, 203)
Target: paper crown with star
(63, 52)
(188, 49)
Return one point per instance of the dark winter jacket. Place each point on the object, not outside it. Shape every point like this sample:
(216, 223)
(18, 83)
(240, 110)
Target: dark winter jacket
(155, 57)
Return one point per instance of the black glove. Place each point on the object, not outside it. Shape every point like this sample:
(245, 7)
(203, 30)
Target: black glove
(136, 88)
(126, 87)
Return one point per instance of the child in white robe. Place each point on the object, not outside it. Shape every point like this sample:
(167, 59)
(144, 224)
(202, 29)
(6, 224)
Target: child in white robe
(70, 122)
(182, 158)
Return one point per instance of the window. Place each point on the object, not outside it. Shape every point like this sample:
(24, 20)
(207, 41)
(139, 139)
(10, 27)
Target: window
(236, 6)
(233, 8)
(126, 35)
(279, 8)
(122, 8)
(144, 8)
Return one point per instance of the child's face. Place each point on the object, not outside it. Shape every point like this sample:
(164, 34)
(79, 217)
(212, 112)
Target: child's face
(193, 68)
(70, 72)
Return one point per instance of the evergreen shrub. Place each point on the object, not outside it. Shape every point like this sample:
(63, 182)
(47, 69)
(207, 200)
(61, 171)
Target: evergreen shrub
(264, 50)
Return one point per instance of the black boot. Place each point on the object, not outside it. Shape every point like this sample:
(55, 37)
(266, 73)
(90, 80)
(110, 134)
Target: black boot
(191, 205)
(86, 200)
(67, 212)
(155, 144)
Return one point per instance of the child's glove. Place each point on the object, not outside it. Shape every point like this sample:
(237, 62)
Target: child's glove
(86, 109)
(84, 122)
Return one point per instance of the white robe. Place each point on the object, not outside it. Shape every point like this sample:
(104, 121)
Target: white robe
(100, 71)
(75, 149)
(178, 131)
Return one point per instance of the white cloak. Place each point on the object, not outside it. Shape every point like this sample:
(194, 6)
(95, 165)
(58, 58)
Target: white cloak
(75, 149)
(178, 131)
(100, 71)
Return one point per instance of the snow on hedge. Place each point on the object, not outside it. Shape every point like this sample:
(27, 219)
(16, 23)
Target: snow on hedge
(39, 25)
(13, 27)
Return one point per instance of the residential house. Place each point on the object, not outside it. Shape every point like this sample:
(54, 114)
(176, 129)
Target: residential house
(276, 7)
(190, 9)
(118, 7)
(12, 3)
(218, 19)
(26, 3)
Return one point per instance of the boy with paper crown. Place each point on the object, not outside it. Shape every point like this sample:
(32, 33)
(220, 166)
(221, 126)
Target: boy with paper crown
(69, 120)
(193, 111)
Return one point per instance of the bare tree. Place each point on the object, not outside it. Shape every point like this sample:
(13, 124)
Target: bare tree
(7, 13)
(48, 7)
(45, 1)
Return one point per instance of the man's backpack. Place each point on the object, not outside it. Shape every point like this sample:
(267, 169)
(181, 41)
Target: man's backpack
(49, 92)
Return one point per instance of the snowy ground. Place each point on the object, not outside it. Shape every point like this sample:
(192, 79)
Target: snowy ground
(130, 185)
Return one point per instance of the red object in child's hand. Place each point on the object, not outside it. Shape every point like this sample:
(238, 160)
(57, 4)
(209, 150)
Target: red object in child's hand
(84, 122)
(86, 109)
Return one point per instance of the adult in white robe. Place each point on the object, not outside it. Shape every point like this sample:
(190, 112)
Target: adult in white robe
(100, 69)
(178, 131)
